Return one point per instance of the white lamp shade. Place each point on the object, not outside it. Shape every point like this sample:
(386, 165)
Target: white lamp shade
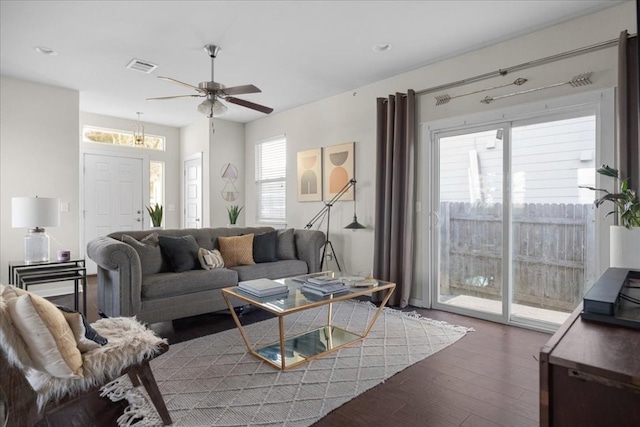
(30, 212)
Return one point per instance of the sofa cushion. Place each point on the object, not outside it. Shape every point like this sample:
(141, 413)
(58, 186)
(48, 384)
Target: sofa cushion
(148, 250)
(164, 285)
(86, 337)
(271, 270)
(48, 336)
(237, 250)
(181, 252)
(210, 259)
(286, 244)
(265, 247)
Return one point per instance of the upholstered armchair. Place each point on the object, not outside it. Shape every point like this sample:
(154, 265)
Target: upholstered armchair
(53, 361)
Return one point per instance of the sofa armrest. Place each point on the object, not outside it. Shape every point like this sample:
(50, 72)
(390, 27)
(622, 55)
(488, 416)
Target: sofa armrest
(308, 245)
(119, 276)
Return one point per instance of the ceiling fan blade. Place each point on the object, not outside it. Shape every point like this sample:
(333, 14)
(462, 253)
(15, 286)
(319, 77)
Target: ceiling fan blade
(181, 83)
(174, 97)
(239, 90)
(248, 104)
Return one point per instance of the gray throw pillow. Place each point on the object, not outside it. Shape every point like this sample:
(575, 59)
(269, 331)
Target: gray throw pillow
(286, 244)
(149, 252)
(265, 247)
(181, 252)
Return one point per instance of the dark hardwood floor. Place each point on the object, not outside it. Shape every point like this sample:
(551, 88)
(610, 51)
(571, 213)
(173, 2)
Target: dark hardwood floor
(488, 378)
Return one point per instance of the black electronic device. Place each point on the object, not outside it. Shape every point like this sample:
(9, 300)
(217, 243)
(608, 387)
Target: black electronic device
(614, 298)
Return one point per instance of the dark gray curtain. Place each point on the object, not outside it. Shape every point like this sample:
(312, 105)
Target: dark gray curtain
(395, 168)
(628, 119)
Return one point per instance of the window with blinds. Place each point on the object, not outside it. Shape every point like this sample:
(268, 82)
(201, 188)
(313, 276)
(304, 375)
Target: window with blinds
(271, 186)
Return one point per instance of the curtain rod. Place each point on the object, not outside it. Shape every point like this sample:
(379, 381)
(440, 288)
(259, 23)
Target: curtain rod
(524, 65)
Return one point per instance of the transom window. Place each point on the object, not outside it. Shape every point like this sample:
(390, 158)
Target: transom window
(121, 138)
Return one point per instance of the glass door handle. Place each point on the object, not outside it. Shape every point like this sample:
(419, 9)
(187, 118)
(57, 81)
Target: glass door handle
(436, 214)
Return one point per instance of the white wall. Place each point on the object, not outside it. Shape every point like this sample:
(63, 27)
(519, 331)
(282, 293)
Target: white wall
(172, 169)
(39, 154)
(351, 116)
(194, 139)
(227, 146)
(224, 145)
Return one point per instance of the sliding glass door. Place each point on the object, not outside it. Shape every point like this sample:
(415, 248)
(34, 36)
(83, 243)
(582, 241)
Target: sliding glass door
(470, 220)
(553, 219)
(520, 249)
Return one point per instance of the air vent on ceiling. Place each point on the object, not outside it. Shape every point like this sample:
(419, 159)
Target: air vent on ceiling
(142, 66)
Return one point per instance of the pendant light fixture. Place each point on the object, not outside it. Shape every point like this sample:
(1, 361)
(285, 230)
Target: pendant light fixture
(138, 132)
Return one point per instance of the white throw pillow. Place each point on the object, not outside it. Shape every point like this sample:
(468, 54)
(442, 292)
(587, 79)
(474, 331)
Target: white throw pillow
(210, 259)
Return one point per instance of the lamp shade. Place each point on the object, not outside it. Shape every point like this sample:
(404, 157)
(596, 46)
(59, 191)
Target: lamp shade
(212, 109)
(28, 212)
(355, 225)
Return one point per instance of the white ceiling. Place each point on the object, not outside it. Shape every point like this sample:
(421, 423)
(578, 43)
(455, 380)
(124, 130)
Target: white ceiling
(295, 51)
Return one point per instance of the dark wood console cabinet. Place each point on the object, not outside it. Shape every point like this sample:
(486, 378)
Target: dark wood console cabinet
(590, 375)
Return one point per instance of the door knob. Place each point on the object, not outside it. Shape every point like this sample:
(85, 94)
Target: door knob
(139, 212)
(138, 219)
(197, 219)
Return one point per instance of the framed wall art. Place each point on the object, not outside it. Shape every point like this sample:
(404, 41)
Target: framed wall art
(339, 163)
(310, 175)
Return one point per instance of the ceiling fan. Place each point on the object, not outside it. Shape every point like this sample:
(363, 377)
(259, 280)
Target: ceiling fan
(214, 92)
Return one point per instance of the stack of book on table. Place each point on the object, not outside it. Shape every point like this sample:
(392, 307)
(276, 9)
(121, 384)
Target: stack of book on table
(324, 286)
(262, 287)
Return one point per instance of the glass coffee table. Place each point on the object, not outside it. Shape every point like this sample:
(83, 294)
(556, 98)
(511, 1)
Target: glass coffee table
(289, 352)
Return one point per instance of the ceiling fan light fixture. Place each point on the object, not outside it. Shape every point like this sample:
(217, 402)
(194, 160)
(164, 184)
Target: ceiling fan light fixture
(212, 109)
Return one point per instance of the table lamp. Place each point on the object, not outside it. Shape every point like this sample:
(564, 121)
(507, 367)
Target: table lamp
(35, 213)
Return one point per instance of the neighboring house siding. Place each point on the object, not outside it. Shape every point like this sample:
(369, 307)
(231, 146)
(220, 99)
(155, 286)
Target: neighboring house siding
(550, 161)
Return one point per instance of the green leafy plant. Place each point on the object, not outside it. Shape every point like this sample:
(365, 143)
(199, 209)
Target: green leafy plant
(626, 203)
(234, 212)
(155, 213)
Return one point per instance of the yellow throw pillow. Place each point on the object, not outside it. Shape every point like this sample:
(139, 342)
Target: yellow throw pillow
(52, 345)
(237, 250)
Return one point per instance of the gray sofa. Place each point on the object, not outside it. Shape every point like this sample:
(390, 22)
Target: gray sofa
(127, 286)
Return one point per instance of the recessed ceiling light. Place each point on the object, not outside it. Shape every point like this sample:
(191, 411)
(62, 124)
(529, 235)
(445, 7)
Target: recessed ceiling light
(382, 47)
(45, 50)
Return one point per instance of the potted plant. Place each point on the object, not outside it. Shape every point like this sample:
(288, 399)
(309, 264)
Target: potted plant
(625, 237)
(234, 212)
(155, 213)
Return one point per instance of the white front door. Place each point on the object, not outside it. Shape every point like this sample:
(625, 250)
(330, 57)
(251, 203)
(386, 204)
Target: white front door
(193, 192)
(113, 197)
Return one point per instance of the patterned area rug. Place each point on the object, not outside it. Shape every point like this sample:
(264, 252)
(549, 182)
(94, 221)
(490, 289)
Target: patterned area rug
(213, 381)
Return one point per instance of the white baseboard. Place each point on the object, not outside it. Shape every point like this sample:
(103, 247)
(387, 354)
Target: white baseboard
(417, 303)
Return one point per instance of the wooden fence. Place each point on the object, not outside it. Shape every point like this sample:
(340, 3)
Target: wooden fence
(553, 252)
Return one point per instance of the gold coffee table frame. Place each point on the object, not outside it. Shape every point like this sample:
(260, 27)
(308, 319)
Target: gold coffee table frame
(290, 352)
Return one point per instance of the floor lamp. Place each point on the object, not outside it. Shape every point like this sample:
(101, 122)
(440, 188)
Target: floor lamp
(328, 250)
